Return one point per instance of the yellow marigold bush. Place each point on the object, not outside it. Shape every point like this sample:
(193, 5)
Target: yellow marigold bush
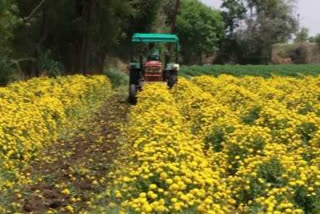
(34, 112)
(268, 145)
(222, 145)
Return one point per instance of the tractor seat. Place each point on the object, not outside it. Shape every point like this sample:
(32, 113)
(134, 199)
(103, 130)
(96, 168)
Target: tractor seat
(154, 58)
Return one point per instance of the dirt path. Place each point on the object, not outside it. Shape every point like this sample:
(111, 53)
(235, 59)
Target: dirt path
(70, 173)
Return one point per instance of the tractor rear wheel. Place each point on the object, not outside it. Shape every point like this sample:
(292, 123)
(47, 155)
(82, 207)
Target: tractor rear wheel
(133, 94)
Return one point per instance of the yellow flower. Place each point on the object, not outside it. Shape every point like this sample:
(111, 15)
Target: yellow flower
(153, 186)
(65, 192)
(70, 209)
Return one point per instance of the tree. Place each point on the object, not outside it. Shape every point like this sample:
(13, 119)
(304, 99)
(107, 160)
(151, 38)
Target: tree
(235, 13)
(274, 23)
(302, 35)
(265, 23)
(149, 16)
(200, 28)
(78, 33)
(8, 22)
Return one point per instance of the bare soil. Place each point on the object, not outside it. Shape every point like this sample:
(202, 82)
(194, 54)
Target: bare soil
(72, 172)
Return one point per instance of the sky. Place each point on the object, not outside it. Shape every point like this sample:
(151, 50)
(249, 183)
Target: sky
(308, 10)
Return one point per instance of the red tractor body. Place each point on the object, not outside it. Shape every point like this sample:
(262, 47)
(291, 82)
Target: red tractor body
(153, 71)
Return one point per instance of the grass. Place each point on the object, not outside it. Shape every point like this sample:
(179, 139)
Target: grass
(266, 71)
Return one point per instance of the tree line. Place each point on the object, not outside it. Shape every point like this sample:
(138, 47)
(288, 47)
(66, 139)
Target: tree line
(75, 36)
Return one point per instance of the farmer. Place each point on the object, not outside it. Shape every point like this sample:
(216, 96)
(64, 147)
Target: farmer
(154, 53)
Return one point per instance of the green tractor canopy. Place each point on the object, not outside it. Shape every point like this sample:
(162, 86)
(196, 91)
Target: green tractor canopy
(155, 38)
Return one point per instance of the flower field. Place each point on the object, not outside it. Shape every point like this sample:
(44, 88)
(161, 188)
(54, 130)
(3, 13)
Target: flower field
(220, 145)
(210, 145)
(34, 113)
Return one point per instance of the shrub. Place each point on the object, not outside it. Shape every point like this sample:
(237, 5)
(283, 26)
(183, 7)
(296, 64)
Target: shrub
(117, 77)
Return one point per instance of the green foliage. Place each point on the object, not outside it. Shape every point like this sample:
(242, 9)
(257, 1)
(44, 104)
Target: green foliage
(252, 70)
(82, 33)
(79, 33)
(200, 28)
(5, 70)
(252, 116)
(151, 15)
(271, 172)
(49, 66)
(8, 22)
(236, 11)
(216, 138)
(307, 131)
(310, 204)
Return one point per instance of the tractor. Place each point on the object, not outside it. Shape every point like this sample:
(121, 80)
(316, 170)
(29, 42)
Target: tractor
(157, 66)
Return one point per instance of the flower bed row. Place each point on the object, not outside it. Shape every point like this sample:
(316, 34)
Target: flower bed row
(34, 112)
(222, 145)
(166, 171)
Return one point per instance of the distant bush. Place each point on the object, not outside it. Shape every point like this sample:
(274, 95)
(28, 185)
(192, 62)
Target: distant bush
(49, 66)
(300, 54)
(5, 71)
(297, 53)
(315, 39)
(117, 77)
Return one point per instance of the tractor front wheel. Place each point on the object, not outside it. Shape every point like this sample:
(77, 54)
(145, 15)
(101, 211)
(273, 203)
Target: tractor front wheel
(173, 79)
(133, 94)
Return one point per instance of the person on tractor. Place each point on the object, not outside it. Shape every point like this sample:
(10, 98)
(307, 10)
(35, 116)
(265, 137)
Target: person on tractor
(154, 53)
